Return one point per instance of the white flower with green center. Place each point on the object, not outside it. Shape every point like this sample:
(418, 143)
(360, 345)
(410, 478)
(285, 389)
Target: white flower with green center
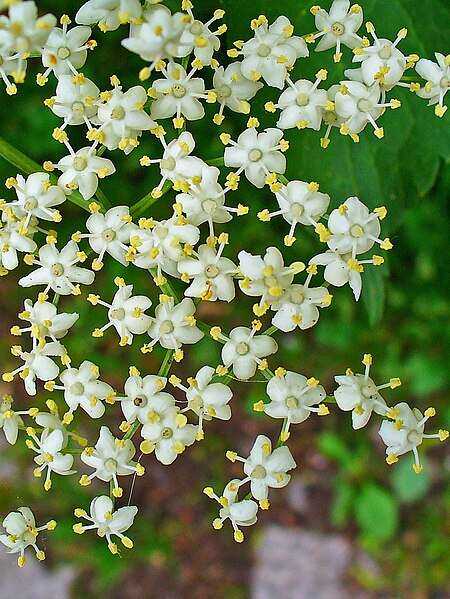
(110, 458)
(354, 230)
(406, 433)
(168, 435)
(106, 521)
(206, 399)
(382, 61)
(21, 532)
(338, 271)
(57, 270)
(37, 364)
(299, 306)
(65, 51)
(109, 14)
(82, 389)
(109, 233)
(437, 76)
(357, 104)
(212, 274)
(82, 169)
(257, 155)
(157, 36)
(358, 393)
(9, 65)
(239, 513)
(294, 397)
(244, 351)
(272, 51)
(338, 27)
(233, 90)
(36, 197)
(302, 104)
(49, 454)
(126, 314)
(174, 325)
(198, 38)
(14, 240)
(44, 320)
(266, 277)
(264, 469)
(75, 101)
(145, 399)
(10, 420)
(178, 94)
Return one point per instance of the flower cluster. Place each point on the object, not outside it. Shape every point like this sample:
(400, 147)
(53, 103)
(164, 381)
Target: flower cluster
(188, 249)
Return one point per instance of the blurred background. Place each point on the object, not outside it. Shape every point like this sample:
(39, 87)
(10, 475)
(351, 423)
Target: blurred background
(348, 524)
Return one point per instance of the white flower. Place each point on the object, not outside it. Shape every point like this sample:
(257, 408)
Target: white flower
(125, 314)
(257, 154)
(144, 398)
(338, 26)
(272, 51)
(197, 37)
(358, 392)
(302, 104)
(44, 320)
(168, 435)
(207, 400)
(48, 449)
(354, 229)
(13, 240)
(109, 14)
(106, 521)
(331, 117)
(11, 65)
(109, 233)
(22, 532)
(110, 458)
(22, 31)
(157, 36)
(83, 389)
(383, 61)
(174, 324)
(178, 94)
(292, 396)
(264, 469)
(298, 306)
(58, 271)
(36, 197)
(233, 90)
(10, 420)
(437, 75)
(81, 171)
(122, 117)
(212, 274)
(37, 364)
(240, 513)
(358, 105)
(244, 351)
(264, 276)
(65, 51)
(338, 271)
(75, 100)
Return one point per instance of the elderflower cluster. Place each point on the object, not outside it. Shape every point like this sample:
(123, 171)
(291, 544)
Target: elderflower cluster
(187, 256)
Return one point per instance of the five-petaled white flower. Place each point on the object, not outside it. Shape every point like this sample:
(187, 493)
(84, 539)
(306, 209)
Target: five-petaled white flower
(437, 75)
(338, 26)
(109, 14)
(82, 169)
(244, 351)
(49, 454)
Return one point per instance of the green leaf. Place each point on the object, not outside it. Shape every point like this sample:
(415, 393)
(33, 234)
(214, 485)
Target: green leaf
(407, 485)
(373, 295)
(332, 447)
(342, 503)
(376, 513)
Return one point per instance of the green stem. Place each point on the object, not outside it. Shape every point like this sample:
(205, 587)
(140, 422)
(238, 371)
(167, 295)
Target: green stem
(144, 203)
(270, 331)
(216, 161)
(283, 179)
(103, 200)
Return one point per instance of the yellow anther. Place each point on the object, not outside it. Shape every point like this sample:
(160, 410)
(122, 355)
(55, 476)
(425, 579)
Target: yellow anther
(395, 382)
(367, 360)
(443, 434)
(391, 459)
(417, 468)
(430, 412)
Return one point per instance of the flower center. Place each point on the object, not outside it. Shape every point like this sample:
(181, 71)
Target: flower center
(63, 52)
(30, 204)
(302, 100)
(111, 465)
(292, 402)
(108, 235)
(264, 50)
(255, 155)
(166, 327)
(242, 348)
(271, 281)
(79, 163)
(178, 91)
(78, 107)
(167, 433)
(209, 206)
(369, 391)
(258, 472)
(161, 231)
(337, 28)
(297, 297)
(357, 231)
(211, 271)
(57, 270)
(168, 163)
(76, 389)
(118, 113)
(364, 105)
(329, 117)
(196, 28)
(224, 92)
(297, 209)
(414, 437)
(140, 401)
(386, 52)
(444, 82)
(117, 314)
